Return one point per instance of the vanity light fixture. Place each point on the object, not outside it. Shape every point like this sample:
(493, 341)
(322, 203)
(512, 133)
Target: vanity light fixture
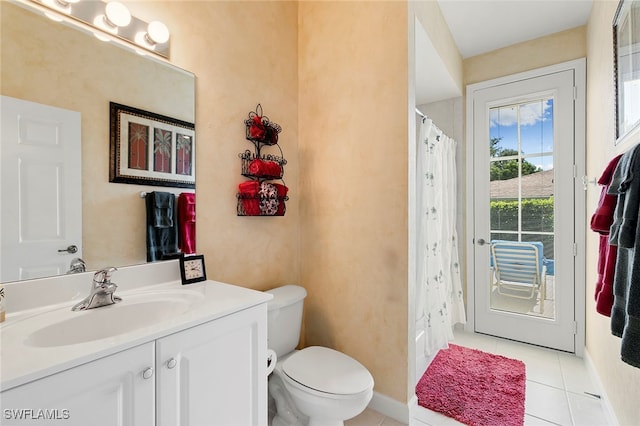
(109, 21)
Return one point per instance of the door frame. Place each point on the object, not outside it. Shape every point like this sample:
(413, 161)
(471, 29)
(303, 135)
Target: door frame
(579, 68)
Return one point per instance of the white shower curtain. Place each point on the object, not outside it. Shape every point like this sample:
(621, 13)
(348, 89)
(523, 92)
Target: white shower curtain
(440, 304)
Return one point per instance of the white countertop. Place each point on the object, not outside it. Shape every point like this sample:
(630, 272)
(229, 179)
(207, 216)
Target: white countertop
(21, 361)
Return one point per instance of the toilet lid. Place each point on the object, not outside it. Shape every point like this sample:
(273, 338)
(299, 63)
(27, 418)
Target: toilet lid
(328, 371)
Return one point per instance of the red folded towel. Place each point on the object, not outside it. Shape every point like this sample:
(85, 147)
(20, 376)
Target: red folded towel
(249, 188)
(256, 167)
(249, 197)
(282, 190)
(265, 168)
(274, 169)
(257, 129)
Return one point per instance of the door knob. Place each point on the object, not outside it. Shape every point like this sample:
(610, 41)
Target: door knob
(481, 241)
(147, 373)
(172, 363)
(70, 249)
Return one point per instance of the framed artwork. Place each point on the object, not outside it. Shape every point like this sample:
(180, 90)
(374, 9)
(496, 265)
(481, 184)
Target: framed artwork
(150, 149)
(626, 51)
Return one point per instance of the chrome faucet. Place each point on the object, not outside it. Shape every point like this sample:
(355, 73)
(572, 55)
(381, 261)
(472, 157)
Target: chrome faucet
(77, 265)
(102, 290)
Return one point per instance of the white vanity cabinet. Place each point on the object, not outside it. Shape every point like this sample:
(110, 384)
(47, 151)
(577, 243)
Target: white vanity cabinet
(210, 374)
(214, 374)
(105, 392)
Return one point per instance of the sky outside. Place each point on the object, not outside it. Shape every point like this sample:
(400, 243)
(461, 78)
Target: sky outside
(536, 130)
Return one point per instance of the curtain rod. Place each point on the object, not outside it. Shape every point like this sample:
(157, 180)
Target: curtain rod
(425, 117)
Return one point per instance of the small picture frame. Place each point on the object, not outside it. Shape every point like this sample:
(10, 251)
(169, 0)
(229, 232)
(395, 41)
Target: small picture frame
(192, 269)
(150, 149)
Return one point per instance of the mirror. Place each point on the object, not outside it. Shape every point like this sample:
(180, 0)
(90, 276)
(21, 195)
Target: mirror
(626, 45)
(54, 64)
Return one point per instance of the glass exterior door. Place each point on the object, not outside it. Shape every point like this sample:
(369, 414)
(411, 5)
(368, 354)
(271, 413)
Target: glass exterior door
(524, 212)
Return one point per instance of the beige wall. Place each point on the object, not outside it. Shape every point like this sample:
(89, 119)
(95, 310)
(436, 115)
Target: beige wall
(621, 381)
(549, 50)
(242, 54)
(353, 184)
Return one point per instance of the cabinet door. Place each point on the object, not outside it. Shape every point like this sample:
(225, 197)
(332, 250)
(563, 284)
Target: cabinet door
(110, 391)
(215, 374)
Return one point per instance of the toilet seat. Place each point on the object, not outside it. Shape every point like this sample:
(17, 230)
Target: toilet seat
(328, 371)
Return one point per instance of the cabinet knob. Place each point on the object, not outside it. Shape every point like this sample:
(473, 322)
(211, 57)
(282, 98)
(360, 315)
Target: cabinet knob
(147, 373)
(172, 363)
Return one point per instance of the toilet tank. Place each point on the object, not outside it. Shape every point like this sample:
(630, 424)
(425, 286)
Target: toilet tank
(284, 318)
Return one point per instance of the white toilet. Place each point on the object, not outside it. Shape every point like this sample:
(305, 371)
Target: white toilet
(315, 386)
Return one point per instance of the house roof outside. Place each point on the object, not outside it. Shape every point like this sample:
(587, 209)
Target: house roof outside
(534, 185)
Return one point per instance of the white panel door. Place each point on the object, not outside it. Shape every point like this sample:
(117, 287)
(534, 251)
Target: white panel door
(41, 202)
(524, 191)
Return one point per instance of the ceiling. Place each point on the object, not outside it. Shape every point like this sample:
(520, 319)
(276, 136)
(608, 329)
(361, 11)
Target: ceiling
(480, 26)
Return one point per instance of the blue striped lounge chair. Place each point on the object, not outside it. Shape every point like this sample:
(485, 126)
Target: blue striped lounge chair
(518, 269)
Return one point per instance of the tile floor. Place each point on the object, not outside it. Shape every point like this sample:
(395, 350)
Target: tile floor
(558, 388)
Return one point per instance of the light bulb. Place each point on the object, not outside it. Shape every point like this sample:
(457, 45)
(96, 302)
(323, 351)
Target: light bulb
(117, 14)
(157, 32)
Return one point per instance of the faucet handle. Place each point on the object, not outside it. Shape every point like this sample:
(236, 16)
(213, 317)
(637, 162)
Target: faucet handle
(103, 276)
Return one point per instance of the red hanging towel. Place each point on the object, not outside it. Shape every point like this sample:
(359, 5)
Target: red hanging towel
(187, 222)
(601, 222)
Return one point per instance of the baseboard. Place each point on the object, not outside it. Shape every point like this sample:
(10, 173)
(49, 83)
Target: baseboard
(608, 408)
(391, 408)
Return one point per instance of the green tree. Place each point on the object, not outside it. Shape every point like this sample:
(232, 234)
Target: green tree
(507, 169)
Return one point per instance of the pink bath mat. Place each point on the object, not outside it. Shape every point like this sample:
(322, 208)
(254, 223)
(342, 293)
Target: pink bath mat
(474, 387)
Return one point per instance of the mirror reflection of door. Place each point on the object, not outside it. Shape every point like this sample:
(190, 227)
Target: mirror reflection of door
(524, 210)
(41, 202)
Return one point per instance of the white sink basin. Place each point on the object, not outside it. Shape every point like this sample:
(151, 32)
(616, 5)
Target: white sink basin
(134, 312)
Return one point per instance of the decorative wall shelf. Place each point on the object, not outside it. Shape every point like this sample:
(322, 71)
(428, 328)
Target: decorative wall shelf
(259, 196)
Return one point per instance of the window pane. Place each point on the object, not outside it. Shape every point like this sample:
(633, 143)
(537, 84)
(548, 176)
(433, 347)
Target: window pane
(537, 199)
(504, 236)
(536, 127)
(503, 131)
